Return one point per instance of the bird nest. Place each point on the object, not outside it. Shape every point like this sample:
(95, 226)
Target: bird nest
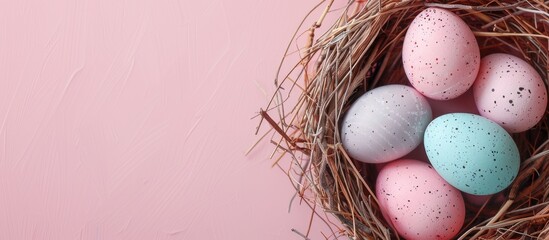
(361, 50)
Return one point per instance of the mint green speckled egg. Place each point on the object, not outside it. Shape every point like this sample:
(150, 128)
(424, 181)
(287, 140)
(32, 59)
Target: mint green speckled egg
(472, 153)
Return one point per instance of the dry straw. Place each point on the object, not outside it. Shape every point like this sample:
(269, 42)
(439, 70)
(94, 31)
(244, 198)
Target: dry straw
(362, 50)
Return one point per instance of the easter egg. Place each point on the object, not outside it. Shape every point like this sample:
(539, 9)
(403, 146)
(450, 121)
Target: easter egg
(440, 54)
(418, 202)
(510, 92)
(472, 153)
(385, 123)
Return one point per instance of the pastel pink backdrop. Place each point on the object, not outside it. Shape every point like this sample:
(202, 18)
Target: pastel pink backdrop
(129, 120)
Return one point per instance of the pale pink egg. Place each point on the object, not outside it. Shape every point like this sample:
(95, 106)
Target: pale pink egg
(418, 202)
(440, 54)
(510, 92)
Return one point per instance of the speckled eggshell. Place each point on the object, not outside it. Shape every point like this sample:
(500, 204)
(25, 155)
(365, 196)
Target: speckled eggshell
(440, 54)
(385, 123)
(472, 153)
(510, 92)
(418, 202)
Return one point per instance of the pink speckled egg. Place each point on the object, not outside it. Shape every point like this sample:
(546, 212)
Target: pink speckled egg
(418, 202)
(440, 54)
(385, 124)
(510, 92)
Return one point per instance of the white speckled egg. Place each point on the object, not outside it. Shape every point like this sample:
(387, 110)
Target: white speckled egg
(418, 202)
(472, 153)
(385, 123)
(510, 92)
(440, 54)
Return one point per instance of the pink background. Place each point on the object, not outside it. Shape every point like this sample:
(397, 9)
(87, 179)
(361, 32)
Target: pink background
(129, 120)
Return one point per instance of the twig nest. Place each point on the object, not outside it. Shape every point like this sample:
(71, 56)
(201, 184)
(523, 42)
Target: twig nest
(364, 51)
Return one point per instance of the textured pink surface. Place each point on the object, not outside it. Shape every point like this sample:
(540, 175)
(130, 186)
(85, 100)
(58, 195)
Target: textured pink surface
(129, 120)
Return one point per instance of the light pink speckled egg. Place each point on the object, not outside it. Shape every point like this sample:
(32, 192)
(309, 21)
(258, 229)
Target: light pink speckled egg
(440, 54)
(385, 123)
(418, 202)
(510, 92)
